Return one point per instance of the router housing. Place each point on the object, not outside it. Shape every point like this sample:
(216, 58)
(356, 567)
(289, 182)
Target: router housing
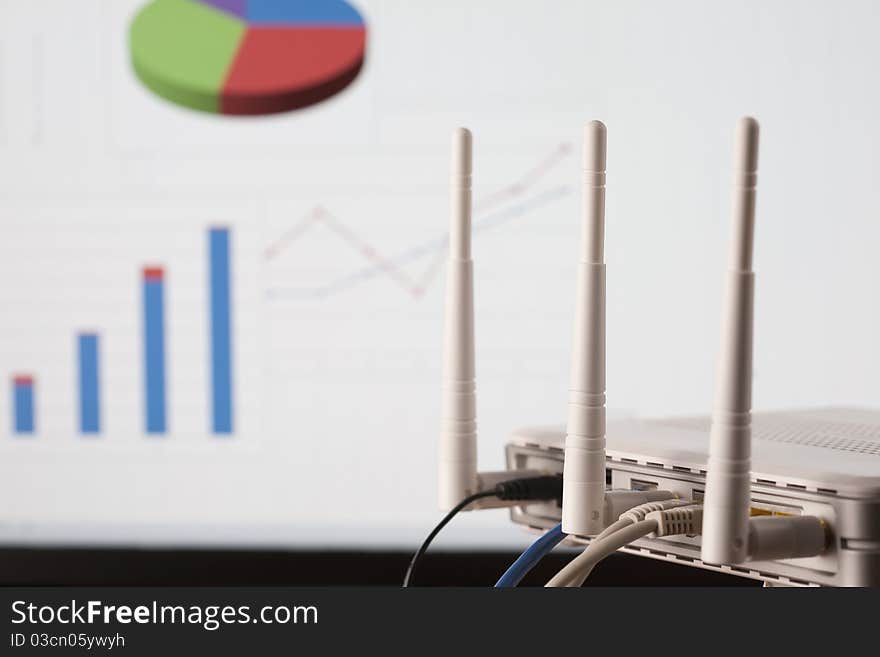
(818, 462)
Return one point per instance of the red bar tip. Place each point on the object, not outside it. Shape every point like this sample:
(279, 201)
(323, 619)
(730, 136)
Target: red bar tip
(23, 380)
(154, 273)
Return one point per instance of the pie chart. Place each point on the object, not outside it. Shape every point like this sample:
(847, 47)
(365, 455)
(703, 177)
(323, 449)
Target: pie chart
(247, 57)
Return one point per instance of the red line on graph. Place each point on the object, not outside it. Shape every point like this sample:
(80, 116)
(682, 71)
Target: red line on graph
(292, 234)
(367, 250)
(23, 380)
(417, 287)
(428, 275)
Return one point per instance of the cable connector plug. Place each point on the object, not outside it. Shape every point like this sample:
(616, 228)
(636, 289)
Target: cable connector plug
(683, 520)
(547, 487)
(773, 537)
(643, 511)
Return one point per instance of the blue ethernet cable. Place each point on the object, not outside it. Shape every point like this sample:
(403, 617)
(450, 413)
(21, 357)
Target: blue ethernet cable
(530, 558)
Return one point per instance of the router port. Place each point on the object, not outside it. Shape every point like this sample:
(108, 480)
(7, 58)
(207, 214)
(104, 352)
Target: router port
(758, 507)
(641, 484)
(767, 508)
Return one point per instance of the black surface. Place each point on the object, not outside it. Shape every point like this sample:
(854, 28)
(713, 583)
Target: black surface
(128, 567)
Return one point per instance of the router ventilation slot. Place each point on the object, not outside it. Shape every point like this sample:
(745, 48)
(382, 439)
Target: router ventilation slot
(817, 429)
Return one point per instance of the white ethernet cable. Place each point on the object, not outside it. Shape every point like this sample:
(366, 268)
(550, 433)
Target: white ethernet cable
(636, 523)
(770, 537)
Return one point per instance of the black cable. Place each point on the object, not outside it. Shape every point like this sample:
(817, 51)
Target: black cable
(411, 570)
(530, 488)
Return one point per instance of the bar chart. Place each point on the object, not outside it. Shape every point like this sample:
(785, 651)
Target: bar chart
(89, 395)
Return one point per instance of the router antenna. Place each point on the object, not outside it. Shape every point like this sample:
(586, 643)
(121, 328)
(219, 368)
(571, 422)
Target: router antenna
(583, 488)
(457, 475)
(727, 500)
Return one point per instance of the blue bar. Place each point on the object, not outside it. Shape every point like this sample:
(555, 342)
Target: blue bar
(89, 391)
(154, 349)
(23, 402)
(221, 331)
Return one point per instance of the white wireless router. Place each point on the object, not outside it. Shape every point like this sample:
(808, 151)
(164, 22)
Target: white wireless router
(760, 509)
(803, 509)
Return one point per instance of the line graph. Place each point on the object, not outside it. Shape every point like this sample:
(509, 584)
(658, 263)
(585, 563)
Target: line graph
(489, 212)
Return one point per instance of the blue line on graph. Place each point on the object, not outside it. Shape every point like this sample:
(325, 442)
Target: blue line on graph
(416, 253)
